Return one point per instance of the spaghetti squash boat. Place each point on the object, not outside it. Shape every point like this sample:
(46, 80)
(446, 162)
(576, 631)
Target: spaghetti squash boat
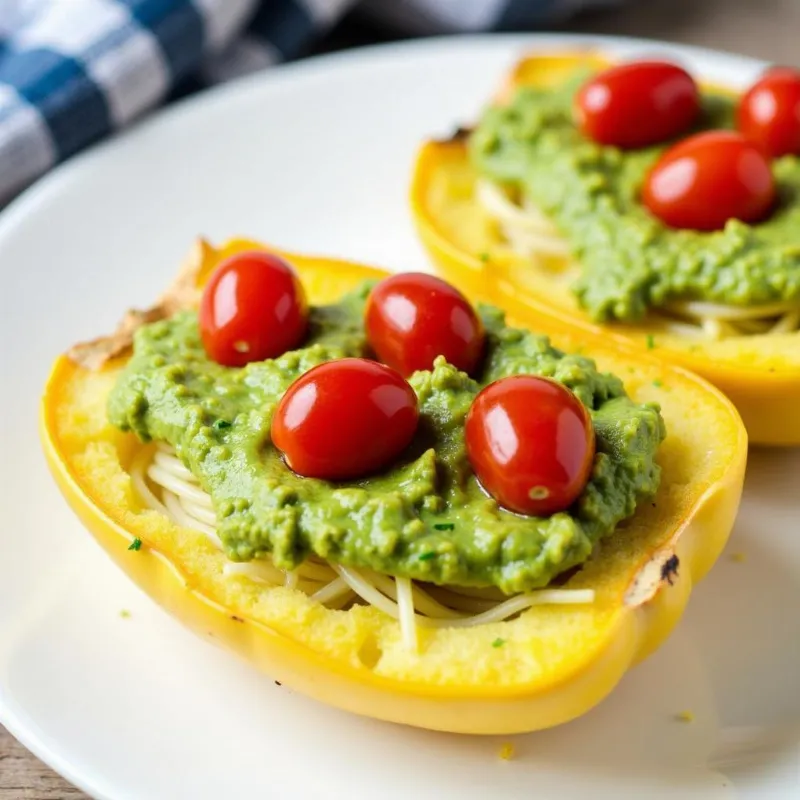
(529, 211)
(408, 594)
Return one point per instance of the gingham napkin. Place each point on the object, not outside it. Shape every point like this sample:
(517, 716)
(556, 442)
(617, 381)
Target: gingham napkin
(74, 71)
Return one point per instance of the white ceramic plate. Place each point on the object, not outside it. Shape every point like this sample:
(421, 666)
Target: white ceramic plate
(316, 157)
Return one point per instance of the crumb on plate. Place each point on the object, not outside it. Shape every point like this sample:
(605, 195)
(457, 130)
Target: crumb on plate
(507, 751)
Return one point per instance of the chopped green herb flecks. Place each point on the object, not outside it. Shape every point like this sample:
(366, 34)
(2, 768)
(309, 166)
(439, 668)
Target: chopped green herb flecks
(427, 556)
(657, 383)
(136, 544)
(498, 642)
(221, 424)
(444, 526)
(484, 257)
(651, 341)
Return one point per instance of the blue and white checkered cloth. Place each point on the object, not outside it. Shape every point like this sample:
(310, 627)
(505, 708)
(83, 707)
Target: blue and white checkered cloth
(74, 71)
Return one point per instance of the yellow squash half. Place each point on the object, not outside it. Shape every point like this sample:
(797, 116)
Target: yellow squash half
(556, 661)
(761, 374)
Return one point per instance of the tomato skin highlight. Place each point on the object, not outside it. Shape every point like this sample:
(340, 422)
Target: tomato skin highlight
(707, 179)
(769, 112)
(531, 443)
(637, 104)
(253, 308)
(411, 318)
(345, 419)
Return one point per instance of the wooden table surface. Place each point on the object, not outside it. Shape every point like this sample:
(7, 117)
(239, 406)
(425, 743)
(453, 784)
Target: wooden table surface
(762, 28)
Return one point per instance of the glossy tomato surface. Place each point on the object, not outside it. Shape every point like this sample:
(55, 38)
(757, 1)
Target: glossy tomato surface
(253, 307)
(769, 112)
(637, 104)
(345, 419)
(531, 443)
(707, 179)
(412, 318)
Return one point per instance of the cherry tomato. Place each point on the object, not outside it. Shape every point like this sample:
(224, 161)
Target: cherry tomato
(769, 112)
(531, 443)
(345, 419)
(707, 179)
(412, 318)
(253, 307)
(637, 104)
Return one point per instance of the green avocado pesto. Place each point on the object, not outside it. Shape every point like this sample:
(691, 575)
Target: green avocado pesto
(425, 518)
(630, 260)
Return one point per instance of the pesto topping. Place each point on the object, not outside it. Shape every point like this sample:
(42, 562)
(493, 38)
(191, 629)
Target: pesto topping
(630, 261)
(426, 518)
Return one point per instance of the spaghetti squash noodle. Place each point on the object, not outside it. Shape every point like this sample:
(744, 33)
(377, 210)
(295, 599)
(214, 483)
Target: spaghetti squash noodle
(165, 484)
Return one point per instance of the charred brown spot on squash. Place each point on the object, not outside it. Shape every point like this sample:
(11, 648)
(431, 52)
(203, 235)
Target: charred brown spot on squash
(661, 568)
(460, 134)
(669, 569)
(184, 292)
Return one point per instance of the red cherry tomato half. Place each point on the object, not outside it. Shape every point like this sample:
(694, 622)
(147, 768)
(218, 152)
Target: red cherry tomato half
(769, 113)
(531, 443)
(637, 104)
(412, 318)
(345, 419)
(707, 179)
(253, 307)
